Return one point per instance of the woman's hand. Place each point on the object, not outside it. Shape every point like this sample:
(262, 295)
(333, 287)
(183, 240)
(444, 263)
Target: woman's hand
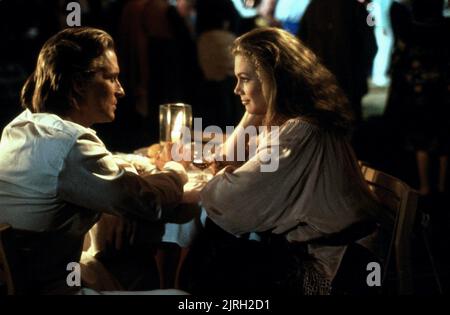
(228, 169)
(230, 147)
(230, 166)
(166, 155)
(251, 120)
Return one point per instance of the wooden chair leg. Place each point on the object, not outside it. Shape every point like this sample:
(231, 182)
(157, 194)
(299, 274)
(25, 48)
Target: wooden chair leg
(432, 261)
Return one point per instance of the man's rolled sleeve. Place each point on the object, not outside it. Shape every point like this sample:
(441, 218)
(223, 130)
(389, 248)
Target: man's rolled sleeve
(92, 179)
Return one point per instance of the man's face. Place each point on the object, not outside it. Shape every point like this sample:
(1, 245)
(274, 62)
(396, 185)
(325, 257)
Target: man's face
(100, 95)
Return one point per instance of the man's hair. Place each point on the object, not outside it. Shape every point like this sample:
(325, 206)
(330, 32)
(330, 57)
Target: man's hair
(69, 57)
(298, 84)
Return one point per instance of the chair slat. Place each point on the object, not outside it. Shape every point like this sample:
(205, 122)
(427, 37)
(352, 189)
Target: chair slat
(397, 196)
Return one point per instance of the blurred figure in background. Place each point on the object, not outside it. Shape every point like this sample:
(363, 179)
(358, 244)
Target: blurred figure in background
(400, 15)
(217, 22)
(337, 31)
(247, 14)
(384, 37)
(160, 60)
(266, 10)
(418, 103)
(186, 9)
(290, 12)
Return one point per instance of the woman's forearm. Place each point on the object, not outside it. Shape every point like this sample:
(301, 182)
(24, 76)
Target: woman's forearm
(230, 145)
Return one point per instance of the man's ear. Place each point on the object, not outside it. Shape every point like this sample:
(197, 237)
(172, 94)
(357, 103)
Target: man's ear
(79, 88)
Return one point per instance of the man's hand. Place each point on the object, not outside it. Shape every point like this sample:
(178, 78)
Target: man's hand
(192, 191)
(164, 156)
(112, 231)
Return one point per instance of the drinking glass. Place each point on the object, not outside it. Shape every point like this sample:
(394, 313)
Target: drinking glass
(201, 160)
(173, 118)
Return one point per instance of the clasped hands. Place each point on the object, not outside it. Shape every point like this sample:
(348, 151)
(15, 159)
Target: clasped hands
(185, 151)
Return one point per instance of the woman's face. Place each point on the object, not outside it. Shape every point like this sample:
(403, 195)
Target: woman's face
(249, 86)
(101, 94)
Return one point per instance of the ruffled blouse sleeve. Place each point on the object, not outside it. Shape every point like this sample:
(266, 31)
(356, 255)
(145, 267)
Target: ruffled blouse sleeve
(260, 195)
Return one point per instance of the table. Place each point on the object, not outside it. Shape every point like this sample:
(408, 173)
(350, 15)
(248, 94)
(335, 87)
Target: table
(175, 234)
(184, 226)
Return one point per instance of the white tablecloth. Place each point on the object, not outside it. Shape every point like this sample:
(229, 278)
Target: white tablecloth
(189, 220)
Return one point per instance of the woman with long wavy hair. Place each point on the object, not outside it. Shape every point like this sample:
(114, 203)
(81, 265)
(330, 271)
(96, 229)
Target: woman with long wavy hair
(312, 206)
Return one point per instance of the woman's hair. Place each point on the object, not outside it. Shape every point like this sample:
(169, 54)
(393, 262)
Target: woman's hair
(297, 84)
(69, 57)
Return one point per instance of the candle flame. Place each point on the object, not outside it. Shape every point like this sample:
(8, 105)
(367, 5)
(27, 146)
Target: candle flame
(177, 126)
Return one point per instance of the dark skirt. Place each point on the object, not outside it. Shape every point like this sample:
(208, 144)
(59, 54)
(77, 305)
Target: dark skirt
(220, 263)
